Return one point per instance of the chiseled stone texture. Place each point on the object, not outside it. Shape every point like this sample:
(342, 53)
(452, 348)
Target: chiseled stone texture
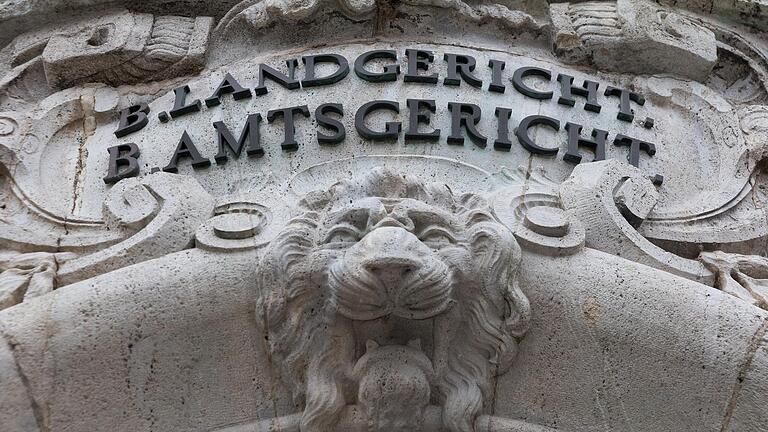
(610, 343)
(582, 366)
(385, 286)
(119, 353)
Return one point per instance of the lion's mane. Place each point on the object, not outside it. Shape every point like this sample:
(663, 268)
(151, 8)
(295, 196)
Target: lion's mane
(314, 346)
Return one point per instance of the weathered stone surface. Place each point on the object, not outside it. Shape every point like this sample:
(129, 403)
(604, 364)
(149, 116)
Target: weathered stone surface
(634, 36)
(414, 216)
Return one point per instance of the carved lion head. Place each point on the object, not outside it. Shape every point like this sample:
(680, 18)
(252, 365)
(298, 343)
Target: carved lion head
(389, 259)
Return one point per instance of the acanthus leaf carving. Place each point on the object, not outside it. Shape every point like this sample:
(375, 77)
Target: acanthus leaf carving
(27, 275)
(114, 48)
(742, 276)
(258, 15)
(618, 35)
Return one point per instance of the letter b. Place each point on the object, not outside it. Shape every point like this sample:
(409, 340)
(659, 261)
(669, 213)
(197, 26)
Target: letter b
(123, 155)
(132, 119)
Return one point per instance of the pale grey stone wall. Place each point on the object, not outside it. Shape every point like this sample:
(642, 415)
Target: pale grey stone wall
(487, 280)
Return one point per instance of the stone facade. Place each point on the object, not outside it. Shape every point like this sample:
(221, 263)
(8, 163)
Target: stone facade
(425, 215)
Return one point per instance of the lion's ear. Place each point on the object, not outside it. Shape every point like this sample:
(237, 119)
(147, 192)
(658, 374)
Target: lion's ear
(494, 248)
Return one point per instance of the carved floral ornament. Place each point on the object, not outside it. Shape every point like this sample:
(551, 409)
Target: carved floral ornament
(386, 289)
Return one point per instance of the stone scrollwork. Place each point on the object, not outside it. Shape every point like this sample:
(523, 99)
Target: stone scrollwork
(115, 48)
(612, 199)
(388, 278)
(531, 207)
(161, 213)
(636, 36)
(236, 225)
(550, 230)
(729, 210)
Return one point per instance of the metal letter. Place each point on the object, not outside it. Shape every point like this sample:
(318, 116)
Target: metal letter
(289, 141)
(391, 129)
(132, 119)
(309, 75)
(521, 132)
(323, 120)
(226, 140)
(635, 145)
(461, 66)
(625, 111)
(179, 105)
(588, 89)
(123, 155)
(575, 141)
(287, 81)
(186, 148)
(419, 60)
(228, 85)
(390, 71)
(415, 117)
(460, 113)
(517, 82)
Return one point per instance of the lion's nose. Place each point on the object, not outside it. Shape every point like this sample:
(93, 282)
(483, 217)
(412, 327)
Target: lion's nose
(391, 269)
(391, 254)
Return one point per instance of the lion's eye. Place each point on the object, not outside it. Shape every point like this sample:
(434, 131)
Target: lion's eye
(342, 235)
(437, 237)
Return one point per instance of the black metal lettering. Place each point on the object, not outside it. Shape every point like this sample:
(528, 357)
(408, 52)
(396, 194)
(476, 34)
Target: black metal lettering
(180, 107)
(310, 80)
(522, 87)
(461, 66)
(250, 133)
(419, 60)
(288, 114)
(625, 96)
(123, 162)
(391, 129)
(288, 81)
(416, 117)
(186, 149)
(521, 132)
(588, 89)
(132, 119)
(460, 113)
(322, 118)
(228, 85)
(496, 85)
(502, 141)
(390, 71)
(575, 141)
(635, 146)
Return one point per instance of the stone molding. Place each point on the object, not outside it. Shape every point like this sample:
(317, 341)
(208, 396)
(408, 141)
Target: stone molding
(373, 288)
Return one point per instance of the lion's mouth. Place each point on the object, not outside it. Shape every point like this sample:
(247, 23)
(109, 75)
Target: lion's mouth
(402, 289)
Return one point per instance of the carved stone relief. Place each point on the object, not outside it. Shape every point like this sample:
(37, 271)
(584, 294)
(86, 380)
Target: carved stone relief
(27, 275)
(632, 36)
(116, 48)
(347, 288)
(742, 276)
(373, 286)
